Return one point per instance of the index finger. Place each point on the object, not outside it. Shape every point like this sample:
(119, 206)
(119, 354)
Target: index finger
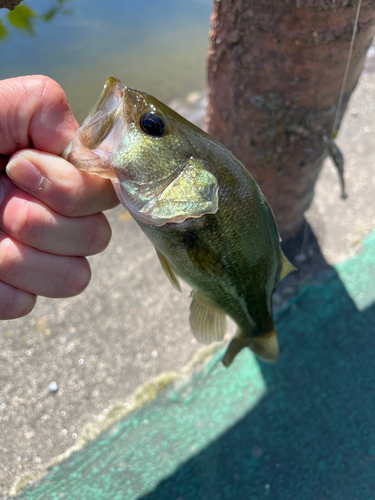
(59, 184)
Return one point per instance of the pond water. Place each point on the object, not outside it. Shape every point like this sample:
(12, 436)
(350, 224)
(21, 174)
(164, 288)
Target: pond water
(158, 47)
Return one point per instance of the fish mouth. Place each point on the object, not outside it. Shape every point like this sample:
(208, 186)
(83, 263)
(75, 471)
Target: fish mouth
(99, 122)
(100, 133)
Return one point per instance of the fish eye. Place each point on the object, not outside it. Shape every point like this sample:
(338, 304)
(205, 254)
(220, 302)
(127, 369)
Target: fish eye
(152, 124)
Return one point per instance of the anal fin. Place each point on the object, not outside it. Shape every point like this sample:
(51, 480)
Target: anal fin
(265, 347)
(168, 271)
(207, 323)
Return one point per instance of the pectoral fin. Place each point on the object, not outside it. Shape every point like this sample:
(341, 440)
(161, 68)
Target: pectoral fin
(286, 267)
(203, 256)
(265, 347)
(168, 271)
(193, 193)
(207, 323)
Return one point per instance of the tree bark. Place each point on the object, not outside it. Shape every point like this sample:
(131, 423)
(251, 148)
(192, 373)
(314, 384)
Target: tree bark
(9, 4)
(275, 70)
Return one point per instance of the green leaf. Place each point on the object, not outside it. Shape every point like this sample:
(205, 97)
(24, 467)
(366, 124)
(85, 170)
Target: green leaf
(49, 15)
(22, 18)
(4, 33)
(58, 9)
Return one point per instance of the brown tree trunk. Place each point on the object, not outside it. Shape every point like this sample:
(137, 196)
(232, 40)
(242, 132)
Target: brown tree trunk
(275, 70)
(9, 4)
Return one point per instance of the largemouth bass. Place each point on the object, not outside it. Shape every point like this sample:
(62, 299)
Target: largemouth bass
(204, 213)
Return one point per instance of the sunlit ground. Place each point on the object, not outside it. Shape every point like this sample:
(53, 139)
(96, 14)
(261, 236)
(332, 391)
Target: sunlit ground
(299, 429)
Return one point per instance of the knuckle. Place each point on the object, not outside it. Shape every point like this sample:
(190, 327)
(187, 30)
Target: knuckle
(68, 202)
(28, 222)
(8, 254)
(46, 90)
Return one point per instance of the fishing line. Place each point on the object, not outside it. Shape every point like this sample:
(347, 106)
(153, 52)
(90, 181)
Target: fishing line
(339, 105)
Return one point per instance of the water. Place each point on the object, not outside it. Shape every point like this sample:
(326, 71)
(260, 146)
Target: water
(155, 46)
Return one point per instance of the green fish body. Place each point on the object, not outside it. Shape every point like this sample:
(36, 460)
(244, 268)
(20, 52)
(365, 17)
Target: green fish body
(201, 209)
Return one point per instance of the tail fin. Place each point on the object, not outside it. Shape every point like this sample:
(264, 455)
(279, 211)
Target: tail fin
(265, 347)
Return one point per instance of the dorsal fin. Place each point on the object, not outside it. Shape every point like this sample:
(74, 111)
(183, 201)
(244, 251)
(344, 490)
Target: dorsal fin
(207, 323)
(286, 266)
(168, 271)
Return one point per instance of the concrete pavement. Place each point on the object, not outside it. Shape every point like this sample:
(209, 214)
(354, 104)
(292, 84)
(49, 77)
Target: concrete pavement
(130, 325)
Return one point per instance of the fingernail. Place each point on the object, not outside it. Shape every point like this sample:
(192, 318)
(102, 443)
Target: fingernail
(25, 174)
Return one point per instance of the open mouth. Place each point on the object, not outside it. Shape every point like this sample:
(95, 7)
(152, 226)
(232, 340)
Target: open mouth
(100, 133)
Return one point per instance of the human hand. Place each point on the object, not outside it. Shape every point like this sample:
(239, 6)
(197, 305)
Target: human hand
(49, 211)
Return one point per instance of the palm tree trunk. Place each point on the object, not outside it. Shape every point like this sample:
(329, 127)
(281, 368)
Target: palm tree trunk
(275, 70)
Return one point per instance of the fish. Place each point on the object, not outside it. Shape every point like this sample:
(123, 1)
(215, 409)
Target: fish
(208, 220)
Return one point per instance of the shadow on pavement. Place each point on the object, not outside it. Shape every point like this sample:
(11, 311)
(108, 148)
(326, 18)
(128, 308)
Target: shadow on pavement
(310, 436)
(313, 436)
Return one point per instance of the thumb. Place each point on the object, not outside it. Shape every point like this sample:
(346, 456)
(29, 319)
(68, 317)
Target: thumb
(34, 112)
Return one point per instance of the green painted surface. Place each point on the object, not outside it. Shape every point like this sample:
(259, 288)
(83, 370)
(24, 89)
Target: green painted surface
(303, 428)
(358, 274)
(136, 454)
